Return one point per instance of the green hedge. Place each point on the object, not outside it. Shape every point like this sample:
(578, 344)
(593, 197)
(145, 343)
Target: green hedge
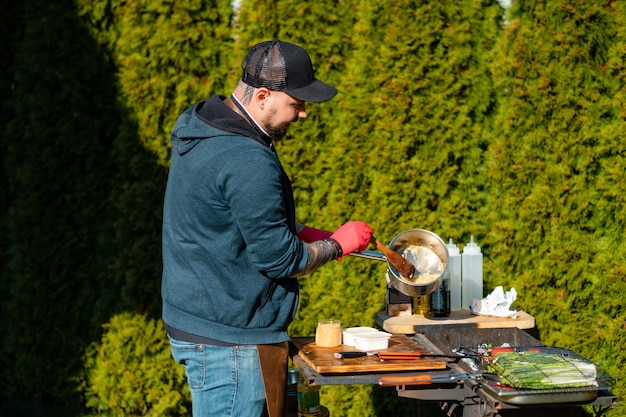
(453, 118)
(130, 371)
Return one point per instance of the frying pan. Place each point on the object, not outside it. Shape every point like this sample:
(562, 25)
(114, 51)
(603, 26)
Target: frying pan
(425, 250)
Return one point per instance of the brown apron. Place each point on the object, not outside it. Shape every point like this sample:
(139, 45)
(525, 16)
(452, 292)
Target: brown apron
(273, 359)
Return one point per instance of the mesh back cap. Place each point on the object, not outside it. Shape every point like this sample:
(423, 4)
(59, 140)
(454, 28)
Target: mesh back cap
(282, 66)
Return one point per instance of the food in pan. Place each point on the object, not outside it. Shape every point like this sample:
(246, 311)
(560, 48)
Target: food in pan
(428, 266)
(543, 370)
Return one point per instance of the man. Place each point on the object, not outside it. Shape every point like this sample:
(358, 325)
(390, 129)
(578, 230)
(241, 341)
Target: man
(231, 244)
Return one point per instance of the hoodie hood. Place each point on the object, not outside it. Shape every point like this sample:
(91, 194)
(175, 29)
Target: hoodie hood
(208, 119)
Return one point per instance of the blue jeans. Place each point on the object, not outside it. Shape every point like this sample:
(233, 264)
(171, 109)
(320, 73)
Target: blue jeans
(225, 381)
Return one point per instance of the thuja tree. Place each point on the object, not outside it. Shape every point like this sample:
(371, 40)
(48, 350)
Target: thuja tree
(408, 145)
(408, 137)
(130, 371)
(167, 56)
(57, 149)
(413, 131)
(95, 89)
(556, 206)
(10, 33)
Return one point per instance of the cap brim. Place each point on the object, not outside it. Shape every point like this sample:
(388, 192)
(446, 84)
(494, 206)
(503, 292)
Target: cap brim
(315, 92)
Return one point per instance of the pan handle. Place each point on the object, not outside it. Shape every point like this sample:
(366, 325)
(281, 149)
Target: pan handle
(369, 254)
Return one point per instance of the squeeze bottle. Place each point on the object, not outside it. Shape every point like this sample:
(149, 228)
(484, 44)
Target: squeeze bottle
(472, 273)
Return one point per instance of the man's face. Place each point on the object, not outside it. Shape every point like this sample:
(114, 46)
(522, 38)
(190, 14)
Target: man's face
(280, 112)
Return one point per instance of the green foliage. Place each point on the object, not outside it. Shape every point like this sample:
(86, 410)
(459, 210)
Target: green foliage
(56, 153)
(131, 371)
(448, 118)
(399, 145)
(557, 168)
(169, 55)
(10, 32)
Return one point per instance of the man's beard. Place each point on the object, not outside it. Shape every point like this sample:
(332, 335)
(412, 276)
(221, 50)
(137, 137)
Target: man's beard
(275, 132)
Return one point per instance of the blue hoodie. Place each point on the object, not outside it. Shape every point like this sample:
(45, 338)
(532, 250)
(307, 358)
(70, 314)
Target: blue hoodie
(229, 243)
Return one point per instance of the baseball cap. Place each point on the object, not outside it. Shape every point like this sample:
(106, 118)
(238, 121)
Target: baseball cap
(283, 66)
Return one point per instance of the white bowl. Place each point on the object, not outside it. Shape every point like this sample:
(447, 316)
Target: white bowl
(349, 333)
(372, 341)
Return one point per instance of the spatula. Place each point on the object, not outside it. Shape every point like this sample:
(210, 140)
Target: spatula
(399, 262)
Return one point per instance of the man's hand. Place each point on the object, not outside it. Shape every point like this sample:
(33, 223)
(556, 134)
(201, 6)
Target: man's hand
(353, 236)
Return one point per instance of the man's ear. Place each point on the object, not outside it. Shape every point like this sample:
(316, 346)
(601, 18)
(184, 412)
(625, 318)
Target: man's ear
(261, 95)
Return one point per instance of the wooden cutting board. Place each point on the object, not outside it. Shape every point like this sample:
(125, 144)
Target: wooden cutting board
(409, 324)
(321, 359)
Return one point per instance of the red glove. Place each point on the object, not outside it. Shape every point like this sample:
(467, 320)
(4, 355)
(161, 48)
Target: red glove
(309, 234)
(353, 236)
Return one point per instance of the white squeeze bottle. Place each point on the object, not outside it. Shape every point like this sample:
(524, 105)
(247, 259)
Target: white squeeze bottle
(454, 269)
(472, 273)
